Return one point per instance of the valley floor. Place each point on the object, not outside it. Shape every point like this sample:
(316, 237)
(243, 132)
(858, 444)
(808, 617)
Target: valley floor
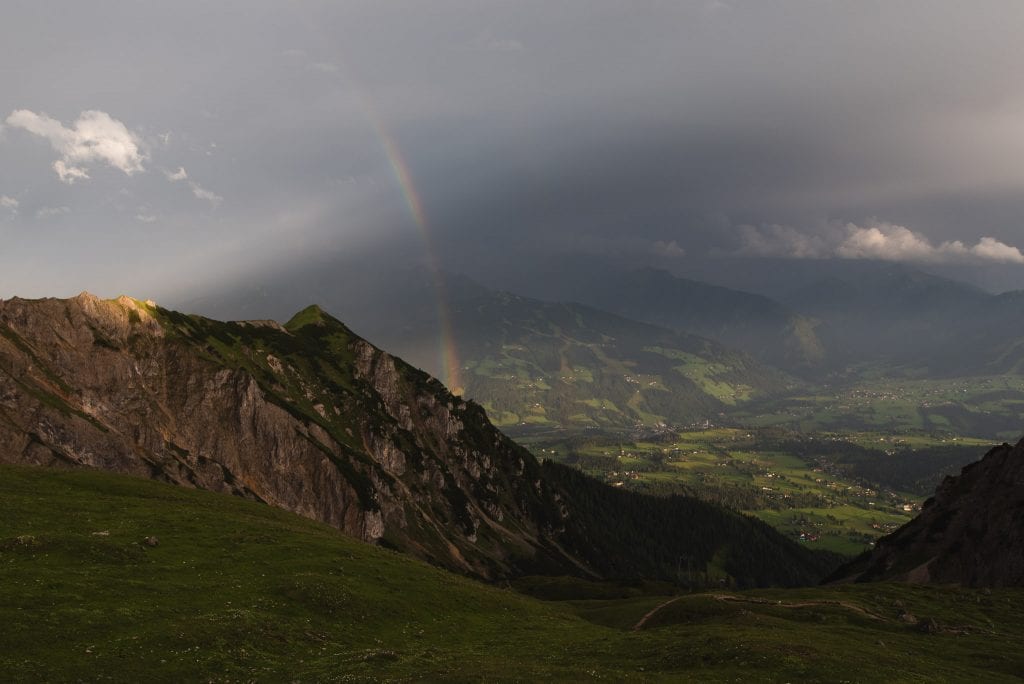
(237, 591)
(834, 466)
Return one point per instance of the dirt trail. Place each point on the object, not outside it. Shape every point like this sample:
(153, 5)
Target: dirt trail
(766, 602)
(639, 625)
(803, 604)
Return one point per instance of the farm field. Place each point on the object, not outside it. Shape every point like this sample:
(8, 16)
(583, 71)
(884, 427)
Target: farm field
(991, 407)
(835, 466)
(832, 491)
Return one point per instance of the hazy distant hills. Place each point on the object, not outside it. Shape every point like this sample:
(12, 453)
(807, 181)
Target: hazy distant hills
(815, 318)
(811, 318)
(892, 315)
(765, 328)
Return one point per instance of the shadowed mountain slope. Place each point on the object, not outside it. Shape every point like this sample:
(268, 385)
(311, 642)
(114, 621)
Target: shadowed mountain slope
(970, 533)
(753, 323)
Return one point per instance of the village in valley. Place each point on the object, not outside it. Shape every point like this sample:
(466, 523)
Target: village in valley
(808, 486)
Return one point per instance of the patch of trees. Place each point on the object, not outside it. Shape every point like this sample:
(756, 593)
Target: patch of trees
(917, 471)
(731, 496)
(626, 534)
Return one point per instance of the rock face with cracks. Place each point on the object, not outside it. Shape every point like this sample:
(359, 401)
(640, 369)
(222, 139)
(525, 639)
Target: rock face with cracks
(306, 416)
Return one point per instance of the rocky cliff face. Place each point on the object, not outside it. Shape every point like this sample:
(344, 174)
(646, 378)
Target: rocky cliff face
(307, 417)
(970, 533)
(313, 419)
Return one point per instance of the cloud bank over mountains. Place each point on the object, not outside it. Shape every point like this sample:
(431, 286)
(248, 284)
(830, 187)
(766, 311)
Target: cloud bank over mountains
(876, 240)
(645, 131)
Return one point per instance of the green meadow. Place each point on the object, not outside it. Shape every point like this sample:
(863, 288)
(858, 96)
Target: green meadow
(821, 489)
(238, 591)
(835, 466)
(987, 407)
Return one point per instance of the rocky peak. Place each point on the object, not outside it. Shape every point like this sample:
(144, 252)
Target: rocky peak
(306, 416)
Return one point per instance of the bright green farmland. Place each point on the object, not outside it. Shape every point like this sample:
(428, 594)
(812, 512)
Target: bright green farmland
(989, 407)
(826, 506)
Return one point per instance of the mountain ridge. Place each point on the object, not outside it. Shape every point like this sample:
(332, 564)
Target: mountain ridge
(311, 418)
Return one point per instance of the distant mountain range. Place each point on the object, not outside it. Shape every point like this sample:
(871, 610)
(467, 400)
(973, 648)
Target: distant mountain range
(762, 327)
(824, 321)
(537, 363)
(309, 417)
(901, 318)
(893, 316)
(810, 317)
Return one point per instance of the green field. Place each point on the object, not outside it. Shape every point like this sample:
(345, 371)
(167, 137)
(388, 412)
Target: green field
(239, 591)
(990, 407)
(836, 466)
(815, 488)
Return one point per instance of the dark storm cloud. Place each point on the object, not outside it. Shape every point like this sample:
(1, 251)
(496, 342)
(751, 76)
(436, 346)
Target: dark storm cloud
(648, 128)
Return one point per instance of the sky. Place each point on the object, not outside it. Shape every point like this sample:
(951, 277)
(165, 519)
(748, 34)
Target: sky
(159, 149)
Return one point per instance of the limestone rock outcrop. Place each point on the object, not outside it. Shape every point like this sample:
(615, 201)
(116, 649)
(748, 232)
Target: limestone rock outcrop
(307, 417)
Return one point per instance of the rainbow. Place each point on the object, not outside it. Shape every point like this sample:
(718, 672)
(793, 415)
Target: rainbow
(448, 355)
(449, 359)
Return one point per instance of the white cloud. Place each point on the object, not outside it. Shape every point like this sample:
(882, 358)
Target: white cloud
(47, 212)
(94, 137)
(145, 218)
(898, 243)
(890, 242)
(199, 191)
(204, 194)
(178, 175)
(876, 240)
(69, 174)
(992, 249)
(8, 202)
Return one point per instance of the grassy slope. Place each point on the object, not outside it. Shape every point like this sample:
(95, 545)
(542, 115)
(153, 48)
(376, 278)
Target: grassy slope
(239, 591)
(235, 589)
